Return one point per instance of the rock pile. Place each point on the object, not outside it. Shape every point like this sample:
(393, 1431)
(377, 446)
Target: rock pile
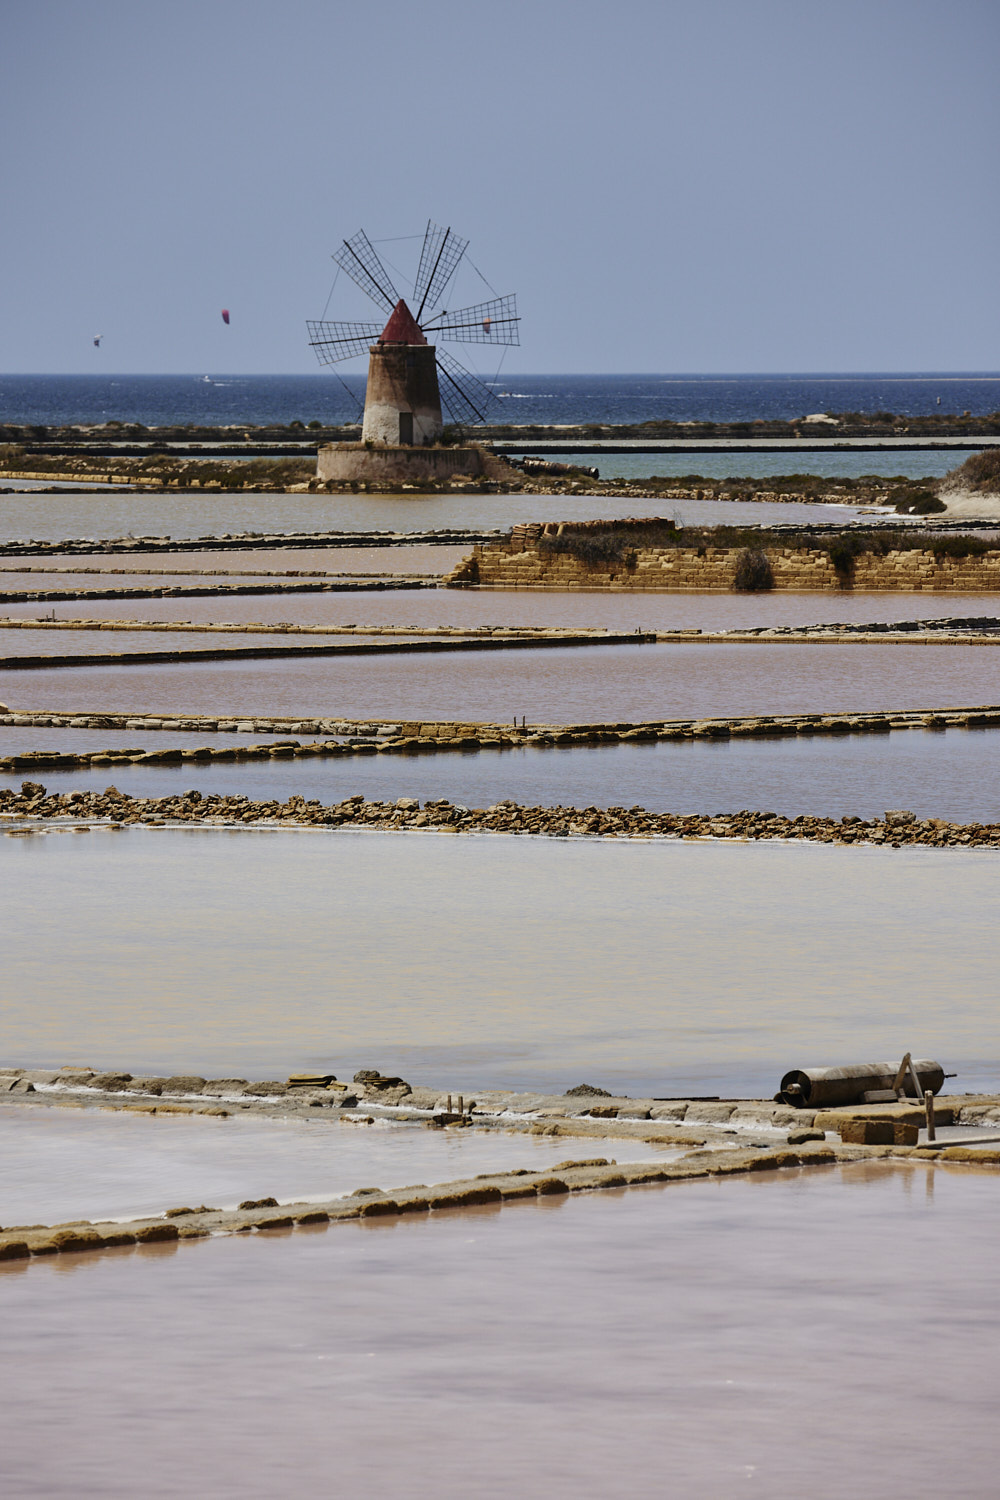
(897, 828)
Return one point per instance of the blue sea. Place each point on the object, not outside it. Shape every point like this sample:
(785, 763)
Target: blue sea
(218, 399)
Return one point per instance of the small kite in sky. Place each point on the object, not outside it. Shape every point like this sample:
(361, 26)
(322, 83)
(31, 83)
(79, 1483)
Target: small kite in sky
(225, 315)
(97, 340)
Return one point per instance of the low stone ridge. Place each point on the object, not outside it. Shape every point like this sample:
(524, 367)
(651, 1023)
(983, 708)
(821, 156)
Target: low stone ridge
(246, 541)
(265, 1214)
(473, 642)
(373, 737)
(118, 809)
(866, 1131)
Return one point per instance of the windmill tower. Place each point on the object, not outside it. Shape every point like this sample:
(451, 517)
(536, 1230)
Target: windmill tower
(411, 381)
(403, 399)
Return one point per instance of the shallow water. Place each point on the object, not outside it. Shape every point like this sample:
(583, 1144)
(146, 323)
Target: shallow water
(915, 464)
(553, 686)
(474, 607)
(65, 1163)
(653, 968)
(186, 567)
(101, 579)
(180, 515)
(24, 642)
(953, 774)
(725, 1334)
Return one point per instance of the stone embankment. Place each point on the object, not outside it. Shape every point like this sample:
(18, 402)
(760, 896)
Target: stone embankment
(980, 630)
(25, 1243)
(521, 562)
(583, 1111)
(347, 737)
(246, 541)
(259, 627)
(33, 807)
(493, 641)
(216, 590)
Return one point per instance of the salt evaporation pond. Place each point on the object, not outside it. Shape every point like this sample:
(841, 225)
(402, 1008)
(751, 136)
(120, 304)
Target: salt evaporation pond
(305, 561)
(843, 464)
(722, 1335)
(191, 514)
(66, 1163)
(953, 775)
(56, 643)
(472, 608)
(649, 968)
(552, 686)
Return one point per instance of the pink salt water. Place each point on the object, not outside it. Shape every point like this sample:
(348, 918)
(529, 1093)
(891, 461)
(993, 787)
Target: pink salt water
(651, 968)
(555, 685)
(470, 608)
(195, 514)
(834, 1332)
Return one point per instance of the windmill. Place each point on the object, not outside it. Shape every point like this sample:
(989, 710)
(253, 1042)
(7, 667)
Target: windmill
(410, 380)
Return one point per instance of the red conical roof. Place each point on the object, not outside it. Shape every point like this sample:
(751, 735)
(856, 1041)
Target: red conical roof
(402, 327)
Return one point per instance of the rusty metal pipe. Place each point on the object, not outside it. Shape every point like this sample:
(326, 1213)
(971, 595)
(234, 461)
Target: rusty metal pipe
(825, 1088)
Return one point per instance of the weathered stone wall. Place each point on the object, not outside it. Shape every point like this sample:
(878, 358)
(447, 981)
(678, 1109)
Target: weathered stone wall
(402, 402)
(513, 565)
(349, 463)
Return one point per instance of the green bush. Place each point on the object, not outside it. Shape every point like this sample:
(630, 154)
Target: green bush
(957, 546)
(599, 544)
(980, 472)
(915, 502)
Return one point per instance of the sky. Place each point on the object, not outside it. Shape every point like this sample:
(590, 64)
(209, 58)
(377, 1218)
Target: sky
(685, 186)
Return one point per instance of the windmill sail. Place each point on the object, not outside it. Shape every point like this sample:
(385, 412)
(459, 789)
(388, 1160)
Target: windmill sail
(336, 341)
(439, 260)
(357, 257)
(484, 323)
(463, 395)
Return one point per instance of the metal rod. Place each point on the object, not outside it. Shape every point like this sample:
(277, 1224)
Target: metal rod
(430, 281)
(351, 251)
(929, 1113)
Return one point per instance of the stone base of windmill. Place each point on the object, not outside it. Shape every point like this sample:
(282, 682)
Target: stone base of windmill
(359, 463)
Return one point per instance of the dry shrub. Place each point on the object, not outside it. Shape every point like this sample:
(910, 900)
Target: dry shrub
(754, 574)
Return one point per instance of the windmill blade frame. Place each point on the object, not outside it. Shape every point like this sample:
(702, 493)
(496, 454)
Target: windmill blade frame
(463, 394)
(359, 259)
(439, 257)
(492, 322)
(334, 342)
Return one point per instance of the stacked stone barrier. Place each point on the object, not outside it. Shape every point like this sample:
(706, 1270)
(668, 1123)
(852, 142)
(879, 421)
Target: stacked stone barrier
(519, 563)
(345, 738)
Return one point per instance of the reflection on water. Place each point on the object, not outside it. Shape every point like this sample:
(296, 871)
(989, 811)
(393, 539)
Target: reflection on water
(552, 686)
(954, 775)
(650, 968)
(67, 1163)
(725, 1334)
